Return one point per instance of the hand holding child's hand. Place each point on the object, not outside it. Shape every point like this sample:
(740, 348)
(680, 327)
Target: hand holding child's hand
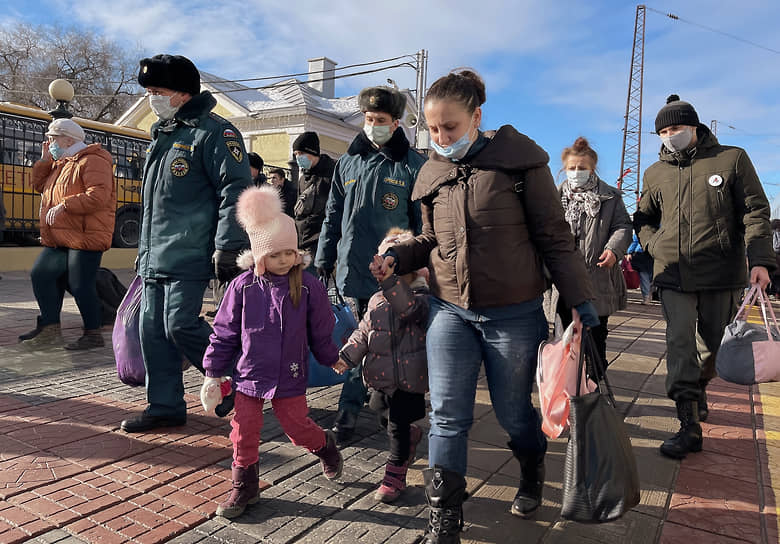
(382, 267)
(341, 367)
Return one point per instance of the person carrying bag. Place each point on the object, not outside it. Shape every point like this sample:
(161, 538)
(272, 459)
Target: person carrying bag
(600, 477)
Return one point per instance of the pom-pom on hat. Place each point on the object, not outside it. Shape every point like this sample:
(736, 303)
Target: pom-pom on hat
(259, 211)
(172, 72)
(384, 99)
(675, 112)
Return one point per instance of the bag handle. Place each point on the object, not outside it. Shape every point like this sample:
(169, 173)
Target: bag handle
(748, 302)
(599, 366)
(764, 305)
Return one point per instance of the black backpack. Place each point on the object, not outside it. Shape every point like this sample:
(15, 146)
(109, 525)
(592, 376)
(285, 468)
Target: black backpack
(110, 291)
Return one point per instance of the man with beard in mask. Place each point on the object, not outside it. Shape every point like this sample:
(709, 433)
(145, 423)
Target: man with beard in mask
(195, 169)
(702, 211)
(371, 192)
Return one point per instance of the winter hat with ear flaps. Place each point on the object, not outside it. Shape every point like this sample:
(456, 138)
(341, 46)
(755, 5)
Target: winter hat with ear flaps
(259, 211)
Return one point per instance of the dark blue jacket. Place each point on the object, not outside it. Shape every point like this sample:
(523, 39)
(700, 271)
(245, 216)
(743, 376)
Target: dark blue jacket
(196, 167)
(371, 192)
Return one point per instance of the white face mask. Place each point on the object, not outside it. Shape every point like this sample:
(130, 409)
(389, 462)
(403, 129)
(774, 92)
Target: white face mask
(379, 134)
(578, 178)
(679, 141)
(161, 106)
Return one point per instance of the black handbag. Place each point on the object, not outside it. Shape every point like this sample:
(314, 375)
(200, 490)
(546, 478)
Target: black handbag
(600, 477)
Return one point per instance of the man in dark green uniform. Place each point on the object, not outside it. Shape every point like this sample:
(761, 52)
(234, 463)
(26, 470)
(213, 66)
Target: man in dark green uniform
(702, 211)
(196, 167)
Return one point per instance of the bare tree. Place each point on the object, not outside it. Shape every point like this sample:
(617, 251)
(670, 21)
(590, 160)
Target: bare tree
(101, 71)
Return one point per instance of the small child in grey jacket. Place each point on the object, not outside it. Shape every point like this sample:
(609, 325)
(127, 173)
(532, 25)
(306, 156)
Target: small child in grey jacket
(390, 342)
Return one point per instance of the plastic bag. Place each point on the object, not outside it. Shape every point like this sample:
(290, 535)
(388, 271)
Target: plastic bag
(630, 275)
(556, 377)
(126, 337)
(319, 375)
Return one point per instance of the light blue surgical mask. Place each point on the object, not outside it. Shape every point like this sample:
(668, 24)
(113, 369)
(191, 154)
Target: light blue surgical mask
(56, 151)
(304, 162)
(379, 134)
(456, 150)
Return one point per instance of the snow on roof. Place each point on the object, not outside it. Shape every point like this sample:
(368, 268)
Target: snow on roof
(284, 94)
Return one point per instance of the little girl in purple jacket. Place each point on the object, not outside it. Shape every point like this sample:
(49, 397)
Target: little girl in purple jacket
(269, 319)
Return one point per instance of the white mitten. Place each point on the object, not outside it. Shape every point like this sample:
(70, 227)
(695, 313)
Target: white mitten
(211, 393)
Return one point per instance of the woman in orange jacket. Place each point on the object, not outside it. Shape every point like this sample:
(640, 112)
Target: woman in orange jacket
(78, 203)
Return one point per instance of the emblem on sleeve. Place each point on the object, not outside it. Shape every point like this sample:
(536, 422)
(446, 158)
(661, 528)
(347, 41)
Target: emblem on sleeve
(235, 150)
(229, 133)
(390, 201)
(180, 167)
(715, 180)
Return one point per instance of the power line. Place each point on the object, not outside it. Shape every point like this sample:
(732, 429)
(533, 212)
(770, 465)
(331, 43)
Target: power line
(732, 36)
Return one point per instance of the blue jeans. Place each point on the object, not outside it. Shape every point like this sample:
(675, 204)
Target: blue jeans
(506, 339)
(645, 278)
(56, 268)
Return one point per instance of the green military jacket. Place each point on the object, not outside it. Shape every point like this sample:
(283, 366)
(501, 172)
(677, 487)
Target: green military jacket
(196, 167)
(702, 211)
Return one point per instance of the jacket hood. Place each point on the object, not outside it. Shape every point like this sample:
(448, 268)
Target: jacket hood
(324, 167)
(706, 139)
(395, 149)
(92, 149)
(507, 149)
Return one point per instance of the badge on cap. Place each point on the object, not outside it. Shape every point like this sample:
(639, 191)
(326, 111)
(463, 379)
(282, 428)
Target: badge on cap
(145, 69)
(715, 180)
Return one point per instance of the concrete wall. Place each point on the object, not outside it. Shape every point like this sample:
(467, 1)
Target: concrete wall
(15, 259)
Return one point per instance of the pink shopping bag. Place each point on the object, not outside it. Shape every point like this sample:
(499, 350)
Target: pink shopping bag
(556, 378)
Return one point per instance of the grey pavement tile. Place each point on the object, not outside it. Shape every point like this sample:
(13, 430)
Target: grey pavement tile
(57, 536)
(633, 527)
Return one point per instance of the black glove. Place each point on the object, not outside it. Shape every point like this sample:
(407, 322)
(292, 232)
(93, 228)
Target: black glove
(225, 267)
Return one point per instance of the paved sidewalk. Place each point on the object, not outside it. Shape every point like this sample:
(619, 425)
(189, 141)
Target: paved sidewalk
(69, 476)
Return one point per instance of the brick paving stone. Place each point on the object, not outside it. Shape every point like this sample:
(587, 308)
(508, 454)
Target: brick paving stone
(99, 450)
(30, 471)
(681, 534)
(18, 525)
(10, 448)
(9, 403)
(716, 504)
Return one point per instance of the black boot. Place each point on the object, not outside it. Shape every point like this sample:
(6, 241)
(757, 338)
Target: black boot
(529, 494)
(688, 439)
(445, 491)
(344, 427)
(704, 410)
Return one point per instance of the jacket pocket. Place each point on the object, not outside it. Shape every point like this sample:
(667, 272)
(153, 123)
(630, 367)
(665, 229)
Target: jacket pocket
(654, 241)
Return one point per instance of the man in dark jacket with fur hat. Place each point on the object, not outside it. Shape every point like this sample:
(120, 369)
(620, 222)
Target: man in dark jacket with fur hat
(371, 193)
(702, 211)
(195, 169)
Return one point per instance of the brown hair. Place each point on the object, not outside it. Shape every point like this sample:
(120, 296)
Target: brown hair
(462, 86)
(277, 171)
(295, 278)
(580, 148)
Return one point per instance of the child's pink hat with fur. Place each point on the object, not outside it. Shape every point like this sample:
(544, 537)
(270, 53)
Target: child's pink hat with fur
(259, 211)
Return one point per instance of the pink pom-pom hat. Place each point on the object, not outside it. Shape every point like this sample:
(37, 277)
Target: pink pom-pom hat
(259, 210)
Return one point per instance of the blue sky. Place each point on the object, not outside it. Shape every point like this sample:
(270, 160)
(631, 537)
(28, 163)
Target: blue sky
(554, 70)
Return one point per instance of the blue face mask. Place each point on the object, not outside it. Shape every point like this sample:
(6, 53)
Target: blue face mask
(56, 151)
(303, 161)
(456, 150)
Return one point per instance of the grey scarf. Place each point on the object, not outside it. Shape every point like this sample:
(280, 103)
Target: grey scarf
(579, 201)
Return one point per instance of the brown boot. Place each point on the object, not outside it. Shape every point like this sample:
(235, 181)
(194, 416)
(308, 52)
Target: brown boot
(330, 456)
(42, 336)
(92, 338)
(246, 490)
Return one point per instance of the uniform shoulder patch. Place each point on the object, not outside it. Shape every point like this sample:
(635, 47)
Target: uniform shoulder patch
(235, 149)
(229, 133)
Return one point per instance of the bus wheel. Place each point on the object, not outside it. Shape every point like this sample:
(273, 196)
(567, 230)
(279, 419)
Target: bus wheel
(127, 228)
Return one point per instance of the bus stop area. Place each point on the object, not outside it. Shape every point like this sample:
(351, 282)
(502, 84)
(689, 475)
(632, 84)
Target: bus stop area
(68, 475)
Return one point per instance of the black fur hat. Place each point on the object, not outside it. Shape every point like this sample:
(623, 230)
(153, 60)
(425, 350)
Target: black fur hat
(255, 160)
(676, 112)
(172, 72)
(382, 99)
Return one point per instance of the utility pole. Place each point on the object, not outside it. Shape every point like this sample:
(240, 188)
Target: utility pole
(714, 127)
(421, 67)
(632, 129)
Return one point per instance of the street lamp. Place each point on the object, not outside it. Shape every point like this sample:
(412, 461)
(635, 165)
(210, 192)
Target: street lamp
(62, 91)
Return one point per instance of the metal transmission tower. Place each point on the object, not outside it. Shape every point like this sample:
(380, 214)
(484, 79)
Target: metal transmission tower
(632, 130)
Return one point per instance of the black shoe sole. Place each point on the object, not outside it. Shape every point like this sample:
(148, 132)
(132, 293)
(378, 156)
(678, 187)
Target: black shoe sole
(142, 428)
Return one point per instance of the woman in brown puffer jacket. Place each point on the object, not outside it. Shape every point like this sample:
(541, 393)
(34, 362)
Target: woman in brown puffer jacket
(492, 222)
(78, 203)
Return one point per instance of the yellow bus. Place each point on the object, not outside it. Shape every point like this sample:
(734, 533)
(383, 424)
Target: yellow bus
(22, 131)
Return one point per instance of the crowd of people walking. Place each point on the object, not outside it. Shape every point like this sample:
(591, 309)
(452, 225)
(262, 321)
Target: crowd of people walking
(446, 257)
